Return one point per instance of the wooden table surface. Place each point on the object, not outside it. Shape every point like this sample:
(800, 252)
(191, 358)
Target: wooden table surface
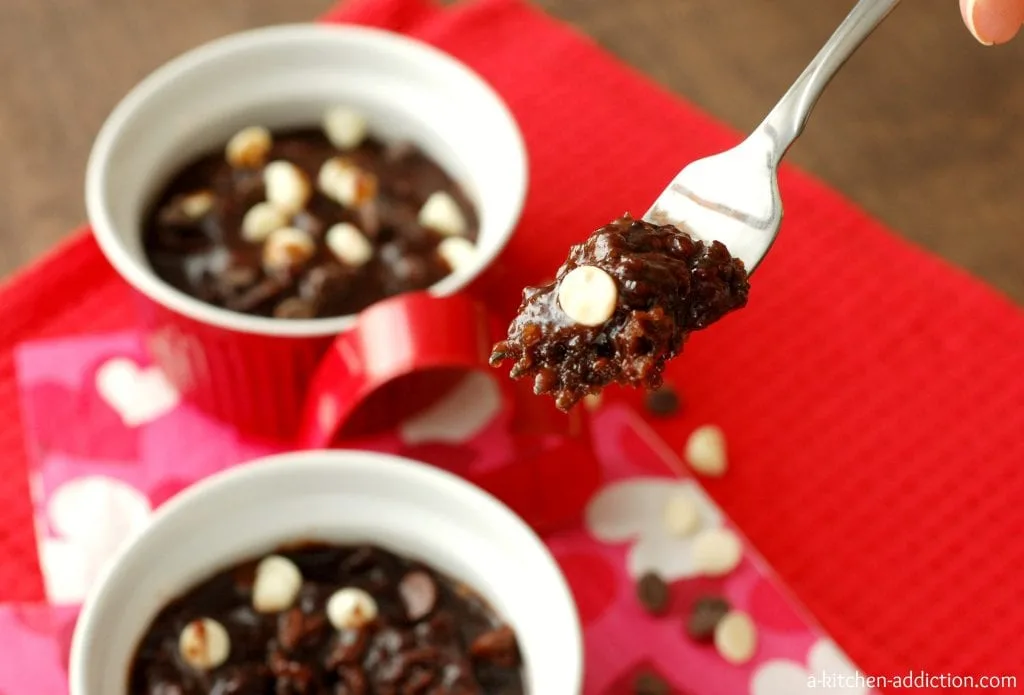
(924, 128)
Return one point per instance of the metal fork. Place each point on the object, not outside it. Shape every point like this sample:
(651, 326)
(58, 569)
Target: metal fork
(733, 197)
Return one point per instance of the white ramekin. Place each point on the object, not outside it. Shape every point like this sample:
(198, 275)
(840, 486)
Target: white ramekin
(343, 496)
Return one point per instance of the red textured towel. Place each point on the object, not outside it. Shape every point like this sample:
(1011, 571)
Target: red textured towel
(873, 397)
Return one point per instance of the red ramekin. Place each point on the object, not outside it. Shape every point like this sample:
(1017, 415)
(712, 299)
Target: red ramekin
(254, 372)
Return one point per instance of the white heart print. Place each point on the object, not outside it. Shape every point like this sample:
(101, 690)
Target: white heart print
(827, 669)
(634, 510)
(458, 416)
(91, 518)
(137, 395)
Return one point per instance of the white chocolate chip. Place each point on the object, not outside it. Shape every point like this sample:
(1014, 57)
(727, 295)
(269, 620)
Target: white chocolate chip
(588, 295)
(458, 252)
(249, 147)
(592, 401)
(204, 644)
(717, 551)
(344, 127)
(260, 220)
(349, 244)
(277, 584)
(287, 248)
(351, 608)
(341, 180)
(736, 637)
(705, 451)
(196, 205)
(286, 186)
(681, 516)
(442, 214)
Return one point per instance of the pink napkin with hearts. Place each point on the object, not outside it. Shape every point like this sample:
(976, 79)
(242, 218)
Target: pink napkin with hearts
(106, 428)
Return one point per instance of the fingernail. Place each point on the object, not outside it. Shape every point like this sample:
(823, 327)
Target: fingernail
(970, 12)
(993, 21)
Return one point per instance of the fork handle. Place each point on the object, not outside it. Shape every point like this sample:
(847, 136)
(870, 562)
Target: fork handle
(786, 121)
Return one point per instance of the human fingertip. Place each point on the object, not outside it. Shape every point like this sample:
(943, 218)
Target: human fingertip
(967, 10)
(993, 21)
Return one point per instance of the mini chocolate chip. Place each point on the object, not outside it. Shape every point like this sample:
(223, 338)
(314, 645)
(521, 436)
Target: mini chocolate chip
(418, 680)
(392, 640)
(169, 688)
(662, 402)
(256, 295)
(295, 308)
(440, 628)
(497, 646)
(368, 215)
(249, 183)
(289, 629)
(421, 656)
(308, 223)
(419, 594)
(402, 187)
(459, 674)
(410, 271)
(324, 281)
(181, 240)
(653, 593)
(292, 676)
(351, 681)
(312, 597)
(648, 683)
(245, 678)
(237, 277)
(244, 576)
(390, 253)
(349, 647)
(244, 617)
(359, 560)
(378, 579)
(704, 617)
(295, 628)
